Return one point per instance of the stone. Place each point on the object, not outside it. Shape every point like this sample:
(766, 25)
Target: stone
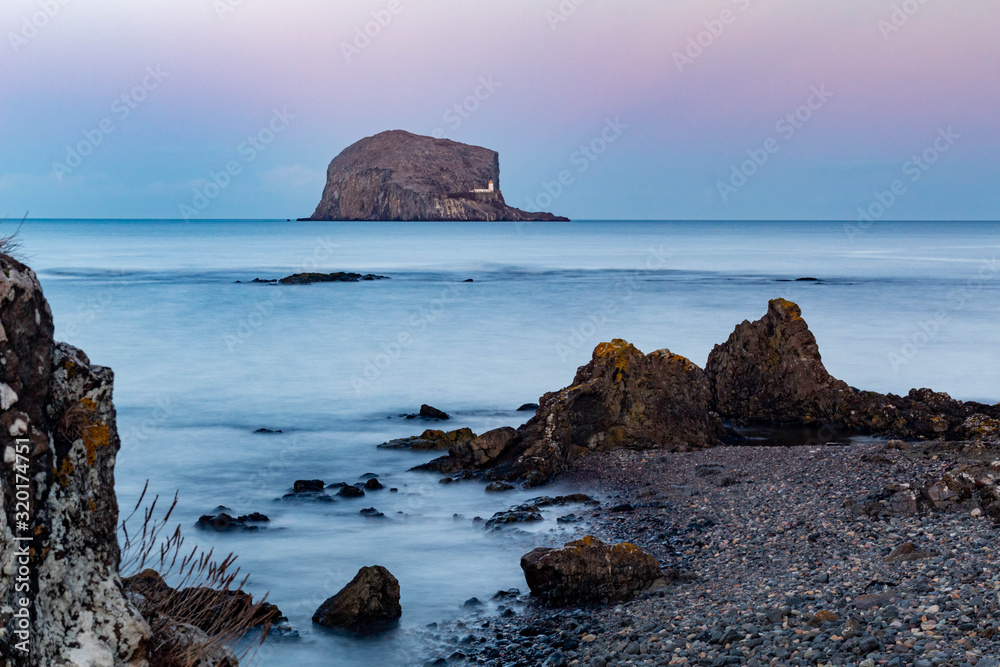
(528, 407)
(588, 570)
(347, 491)
(398, 175)
(770, 372)
(621, 399)
(431, 439)
(372, 484)
(338, 277)
(223, 521)
(52, 396)
(429, 412)
(369, 603)
(308, 485)
(480, 452)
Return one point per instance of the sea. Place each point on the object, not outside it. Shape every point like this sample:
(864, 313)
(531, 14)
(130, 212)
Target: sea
(475, 319)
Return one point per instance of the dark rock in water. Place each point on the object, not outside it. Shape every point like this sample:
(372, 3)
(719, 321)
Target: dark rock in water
(369, 603)
(368, 475)
(225, 522)
(397, 175)
(528, 407)
(519, 514)
(509, 594)
(569, 518)
(267, 430)
(428, 412)
(371, 513)
(472, 603)
(338, 277)
(468, 280)
(307, 485)
(770, 371)
(431, 439)
(373, 484)
(559, 501)
(497, 487)
(480, 452)
(350, 492)
(588, 570)
(807, 280)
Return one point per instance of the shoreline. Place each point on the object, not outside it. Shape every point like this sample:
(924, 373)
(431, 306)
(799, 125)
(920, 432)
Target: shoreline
(760, 553)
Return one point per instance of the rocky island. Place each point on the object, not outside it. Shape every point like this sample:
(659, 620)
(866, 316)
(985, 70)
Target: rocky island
(398, 175)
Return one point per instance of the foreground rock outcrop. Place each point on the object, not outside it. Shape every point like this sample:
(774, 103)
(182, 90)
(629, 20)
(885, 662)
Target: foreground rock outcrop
(369, 603)
(588, 570)
(60, 552)
(397, 175)
(622, 398)
(770, 371)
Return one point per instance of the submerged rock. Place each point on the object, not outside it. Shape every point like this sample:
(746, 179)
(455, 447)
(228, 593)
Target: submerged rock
(431, 439)
(338, 277)
(429, 412)
(588, 570)
(223, 521)
(369, 603)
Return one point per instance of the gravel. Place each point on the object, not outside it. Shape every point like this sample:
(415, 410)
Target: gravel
(772, 569)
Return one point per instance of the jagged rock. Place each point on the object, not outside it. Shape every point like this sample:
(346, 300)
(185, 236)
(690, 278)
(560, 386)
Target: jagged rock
(369, 603)
(771, 371)
(430, 412)
(622, 398)
(51, 395)
(520, 514)
(480, 452)
(307, 485)
(347, 491)
(397, 175)
(431, 439)
(588, 570)
(338, 277)
(224, 522)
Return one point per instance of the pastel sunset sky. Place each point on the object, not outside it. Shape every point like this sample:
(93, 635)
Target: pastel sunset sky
(200, 78)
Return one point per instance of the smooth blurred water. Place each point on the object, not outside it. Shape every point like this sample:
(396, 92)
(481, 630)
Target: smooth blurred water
(201, 362)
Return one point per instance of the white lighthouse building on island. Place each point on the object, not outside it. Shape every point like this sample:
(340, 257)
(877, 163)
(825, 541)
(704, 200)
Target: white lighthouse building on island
(488, 188)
